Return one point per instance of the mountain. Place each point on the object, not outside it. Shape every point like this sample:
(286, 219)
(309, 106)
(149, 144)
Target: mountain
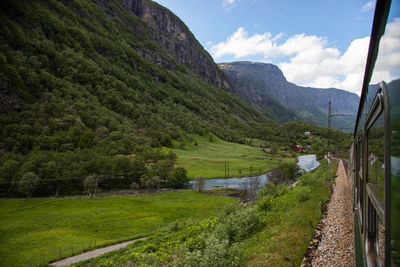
(84, 82)
(267, 89)
(175, 39)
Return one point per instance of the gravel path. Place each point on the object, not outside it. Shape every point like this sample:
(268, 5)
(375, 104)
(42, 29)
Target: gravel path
(336, 247)
(92, 253)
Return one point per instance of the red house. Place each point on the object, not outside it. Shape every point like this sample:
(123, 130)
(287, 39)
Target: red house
(298, 148)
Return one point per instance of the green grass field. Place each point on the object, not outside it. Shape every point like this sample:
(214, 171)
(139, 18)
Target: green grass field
(274, 231)
(31, 229)
(207, 159)
(285, 237)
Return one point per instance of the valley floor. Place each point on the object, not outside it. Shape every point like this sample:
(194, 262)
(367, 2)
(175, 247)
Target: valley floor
(38, 231)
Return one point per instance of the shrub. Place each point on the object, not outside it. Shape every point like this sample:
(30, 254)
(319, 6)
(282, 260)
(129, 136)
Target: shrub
(177, 177)
(272, 189)
(286, 171)
(90, 185)
(310, 180)
(216, 253)
(303, 193)
(265, 204)
(28, 183)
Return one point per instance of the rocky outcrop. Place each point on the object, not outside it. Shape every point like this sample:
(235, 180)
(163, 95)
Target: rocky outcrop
(264, 85)
(173, 37)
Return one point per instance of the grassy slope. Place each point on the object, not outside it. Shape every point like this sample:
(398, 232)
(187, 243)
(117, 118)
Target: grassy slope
(207, 159)
(281, 241)
(32, 228)
(285, 238)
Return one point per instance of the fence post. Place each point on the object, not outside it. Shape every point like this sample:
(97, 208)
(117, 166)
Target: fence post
(95, 243)
(90, 243)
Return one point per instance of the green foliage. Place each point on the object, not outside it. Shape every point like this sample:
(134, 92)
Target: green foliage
(28, 183)
(265, 203)
(303, 193)
(208, 158)
(211, 242)
(60, 223)
(285, 171)
(279, 219)
(272, 190)
(287, 219)
(177, 178)
(87, 90)
(90, 185)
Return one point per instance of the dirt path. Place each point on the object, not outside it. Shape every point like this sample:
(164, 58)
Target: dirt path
(336, 247)
(92, 253)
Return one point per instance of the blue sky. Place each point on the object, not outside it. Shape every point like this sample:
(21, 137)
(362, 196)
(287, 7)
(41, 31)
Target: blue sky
(321, 43)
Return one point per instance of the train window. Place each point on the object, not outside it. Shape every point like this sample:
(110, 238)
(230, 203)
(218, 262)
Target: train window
(376, 152)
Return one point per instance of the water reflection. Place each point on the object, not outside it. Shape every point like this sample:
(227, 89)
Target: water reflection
(306, 162)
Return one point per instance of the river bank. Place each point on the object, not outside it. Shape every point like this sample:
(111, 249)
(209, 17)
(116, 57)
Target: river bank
(305, 162)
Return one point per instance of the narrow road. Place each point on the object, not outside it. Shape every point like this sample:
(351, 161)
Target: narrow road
(93, 253)
(336, 247)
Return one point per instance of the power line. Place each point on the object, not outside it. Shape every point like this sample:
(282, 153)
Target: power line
(107, 176)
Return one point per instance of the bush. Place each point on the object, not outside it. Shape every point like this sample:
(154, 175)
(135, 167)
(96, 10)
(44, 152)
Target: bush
(177, 178)
(310, 180)
(265, 204)
(303, 193)
(216, 253)
(90, 184)
(286, 171)
(272, 190)
(28, 183)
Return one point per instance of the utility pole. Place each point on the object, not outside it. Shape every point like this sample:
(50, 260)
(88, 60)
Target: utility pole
(228, 166)
(329, 123)
(225, 166)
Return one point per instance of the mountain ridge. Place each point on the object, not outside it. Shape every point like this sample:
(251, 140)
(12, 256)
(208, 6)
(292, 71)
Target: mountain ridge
(263, 83)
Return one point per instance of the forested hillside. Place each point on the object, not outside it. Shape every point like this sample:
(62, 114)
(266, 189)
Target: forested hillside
(94, 87)
(78, 92)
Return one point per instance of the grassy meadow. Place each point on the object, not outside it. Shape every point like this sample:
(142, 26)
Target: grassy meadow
(36, 229)
(204, 158)
(287, 231)
(273, 231)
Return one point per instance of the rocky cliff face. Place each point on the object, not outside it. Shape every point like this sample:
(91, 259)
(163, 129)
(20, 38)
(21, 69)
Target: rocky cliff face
(173, 37)
(262, 84)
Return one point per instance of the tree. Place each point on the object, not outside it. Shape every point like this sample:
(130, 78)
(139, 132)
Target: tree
(286, 171)
(177, 178)
(90, 185)
(199, 184)
(28, 183)
(274, 149)
(149, 182)
(8, 170)
(249, 188)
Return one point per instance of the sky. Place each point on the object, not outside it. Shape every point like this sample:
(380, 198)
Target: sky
(318, 43)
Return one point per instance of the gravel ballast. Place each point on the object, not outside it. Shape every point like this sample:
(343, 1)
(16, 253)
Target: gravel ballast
(336, 233)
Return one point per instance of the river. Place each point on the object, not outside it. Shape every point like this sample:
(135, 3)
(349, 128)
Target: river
(305, 162)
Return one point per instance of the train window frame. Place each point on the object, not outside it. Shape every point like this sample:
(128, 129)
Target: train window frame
(377, 110)
(375, 212)
(360, 179)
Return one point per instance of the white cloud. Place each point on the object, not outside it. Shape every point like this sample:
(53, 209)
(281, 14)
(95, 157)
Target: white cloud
(239, 44)
(228, 3)
(387, 65)
(368, 6)
(310, 61)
